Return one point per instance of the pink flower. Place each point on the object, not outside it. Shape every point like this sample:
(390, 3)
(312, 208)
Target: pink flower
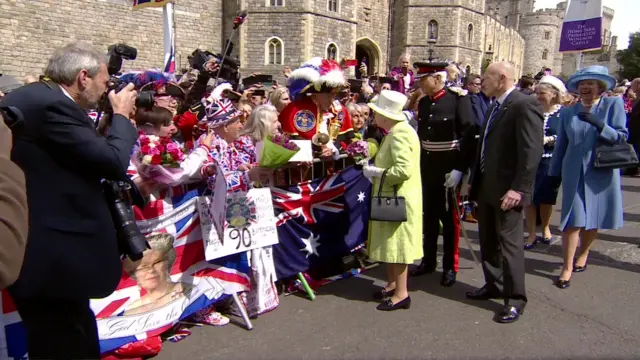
(172, 146)
(154, 151)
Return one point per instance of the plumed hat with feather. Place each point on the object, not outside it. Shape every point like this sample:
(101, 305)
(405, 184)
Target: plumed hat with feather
(317, 75)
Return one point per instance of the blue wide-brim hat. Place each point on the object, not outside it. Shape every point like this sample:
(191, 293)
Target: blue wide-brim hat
(595, 72)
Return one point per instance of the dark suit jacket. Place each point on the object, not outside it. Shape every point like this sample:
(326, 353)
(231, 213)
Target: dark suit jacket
(480, 104)
(71, 250)
(513, 148)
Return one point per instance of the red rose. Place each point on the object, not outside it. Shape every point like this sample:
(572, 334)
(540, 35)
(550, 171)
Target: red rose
(175, 156)
(160, 147)
(144, 141)
(145, 149)
(156, 160)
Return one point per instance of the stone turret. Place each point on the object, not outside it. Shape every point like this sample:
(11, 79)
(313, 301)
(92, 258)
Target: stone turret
(541, 31)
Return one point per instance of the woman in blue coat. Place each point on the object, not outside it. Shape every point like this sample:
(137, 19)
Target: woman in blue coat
(591, 198)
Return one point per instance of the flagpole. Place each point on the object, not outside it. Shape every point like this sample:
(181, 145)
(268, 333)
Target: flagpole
(169, 36)
(579, 61)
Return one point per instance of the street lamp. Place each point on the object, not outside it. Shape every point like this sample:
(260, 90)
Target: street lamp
(432, 43)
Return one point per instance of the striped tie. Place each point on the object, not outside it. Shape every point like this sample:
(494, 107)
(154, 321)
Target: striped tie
(492, 116)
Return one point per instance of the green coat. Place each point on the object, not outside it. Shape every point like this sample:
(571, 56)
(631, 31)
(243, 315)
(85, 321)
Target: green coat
(399, 243)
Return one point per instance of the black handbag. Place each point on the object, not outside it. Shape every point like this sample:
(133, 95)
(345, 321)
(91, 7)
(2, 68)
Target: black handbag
(616, 156)
(388, 208)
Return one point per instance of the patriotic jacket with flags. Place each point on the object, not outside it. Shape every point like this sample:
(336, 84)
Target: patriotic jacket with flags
(229, 157)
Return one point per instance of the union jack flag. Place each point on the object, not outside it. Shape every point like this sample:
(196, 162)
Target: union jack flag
(320, 220)
(308, 199)
(139, 4)
(174, 211)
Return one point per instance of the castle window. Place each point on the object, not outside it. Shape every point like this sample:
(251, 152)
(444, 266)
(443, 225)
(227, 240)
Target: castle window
(274, 51)
(332, 51)
(432, 30)
(545, 54)
(333, 5)
(547, 35)
(470, 33)
(275, 3)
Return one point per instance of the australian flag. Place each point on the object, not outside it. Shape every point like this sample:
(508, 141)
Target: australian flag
(320, 220)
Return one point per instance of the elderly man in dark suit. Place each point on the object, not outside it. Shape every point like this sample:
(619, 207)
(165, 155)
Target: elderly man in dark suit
(72, 252)
(507, 158)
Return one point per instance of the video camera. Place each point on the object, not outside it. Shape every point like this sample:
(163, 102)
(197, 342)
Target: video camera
(117, 53)
(229, 68)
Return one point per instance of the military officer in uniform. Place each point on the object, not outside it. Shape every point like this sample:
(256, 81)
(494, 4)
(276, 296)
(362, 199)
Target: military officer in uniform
(445, 129)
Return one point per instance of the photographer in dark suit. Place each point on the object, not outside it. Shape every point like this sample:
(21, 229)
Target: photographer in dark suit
(72, 252)
(507, 159)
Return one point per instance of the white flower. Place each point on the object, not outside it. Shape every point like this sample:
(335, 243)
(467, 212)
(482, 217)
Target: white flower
(154, 138)
(147, 159)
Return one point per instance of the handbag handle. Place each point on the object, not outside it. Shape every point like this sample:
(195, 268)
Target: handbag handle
(395, 188)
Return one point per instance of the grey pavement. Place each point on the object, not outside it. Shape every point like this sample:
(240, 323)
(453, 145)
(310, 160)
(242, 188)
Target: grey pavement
(596, 318)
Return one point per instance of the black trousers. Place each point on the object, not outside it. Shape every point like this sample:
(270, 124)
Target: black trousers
(502, 248)
(439, 204)
(59, 328)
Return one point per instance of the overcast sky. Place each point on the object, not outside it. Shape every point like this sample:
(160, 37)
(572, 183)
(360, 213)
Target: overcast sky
(625, 20)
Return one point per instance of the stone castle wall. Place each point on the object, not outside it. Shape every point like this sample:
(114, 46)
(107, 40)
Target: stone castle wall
(32, 29)
(373, 24)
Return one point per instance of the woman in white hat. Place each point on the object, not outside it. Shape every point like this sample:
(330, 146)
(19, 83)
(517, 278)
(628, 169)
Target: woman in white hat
(550, 92)
(396, 243)
(591, 197)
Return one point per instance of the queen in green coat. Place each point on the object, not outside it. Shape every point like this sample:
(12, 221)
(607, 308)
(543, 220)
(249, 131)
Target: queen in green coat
(396, 243)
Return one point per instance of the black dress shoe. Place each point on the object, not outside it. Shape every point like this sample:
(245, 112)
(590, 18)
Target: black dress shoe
(384, 293)
(388, 305)
(483, 294)
(448, 278)
(579, 269)
(509, 314)
(563, 284)
(423, 269)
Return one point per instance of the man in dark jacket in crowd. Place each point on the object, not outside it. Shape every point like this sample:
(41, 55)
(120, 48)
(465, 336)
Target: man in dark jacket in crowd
(13, 211)
(72, 253)
(479, 105)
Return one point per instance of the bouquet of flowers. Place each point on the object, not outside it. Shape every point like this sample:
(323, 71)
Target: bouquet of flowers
(158, 159)
(276, 151)
(160, 151)
(358, 150)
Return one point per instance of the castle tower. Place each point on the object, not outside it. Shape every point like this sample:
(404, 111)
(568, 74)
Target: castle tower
(458, 31)
(541, 31)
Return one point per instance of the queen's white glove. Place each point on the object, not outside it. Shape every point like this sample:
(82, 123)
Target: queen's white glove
(371, 171)
(452, 179)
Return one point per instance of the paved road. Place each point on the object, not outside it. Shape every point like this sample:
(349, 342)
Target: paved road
(598, 317)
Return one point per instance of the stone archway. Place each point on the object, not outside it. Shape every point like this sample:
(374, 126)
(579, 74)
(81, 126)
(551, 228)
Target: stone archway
(368, 51)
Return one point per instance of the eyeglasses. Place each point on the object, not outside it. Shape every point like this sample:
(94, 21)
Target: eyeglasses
(149, 268)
